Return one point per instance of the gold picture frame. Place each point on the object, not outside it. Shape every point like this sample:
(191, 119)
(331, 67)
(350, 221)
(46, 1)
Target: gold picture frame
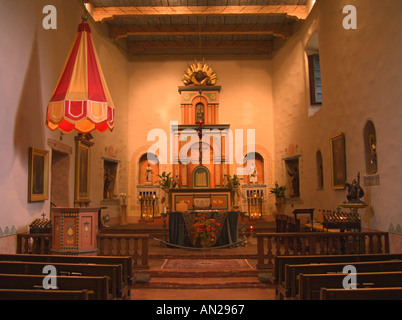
(338, 161)
(82, 172)
(38, 175)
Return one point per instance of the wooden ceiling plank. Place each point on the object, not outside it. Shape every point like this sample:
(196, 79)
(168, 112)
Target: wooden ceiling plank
(138, 46)
(101, 14)
(121, 31)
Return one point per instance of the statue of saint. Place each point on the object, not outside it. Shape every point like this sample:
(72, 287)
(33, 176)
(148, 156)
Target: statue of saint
(148, 174)
(295, 182)
(253, 179)
(107, 183)
(355, 192)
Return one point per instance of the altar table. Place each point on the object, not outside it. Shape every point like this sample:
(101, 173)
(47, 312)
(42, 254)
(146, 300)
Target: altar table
(178, 234)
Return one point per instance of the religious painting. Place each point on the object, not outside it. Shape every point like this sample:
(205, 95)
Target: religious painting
(220, 201)
(38, 176)
(183, 200)
(338, 161)
(82, 161)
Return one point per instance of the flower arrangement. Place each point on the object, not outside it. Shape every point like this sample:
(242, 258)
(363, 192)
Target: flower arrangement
(204, 231)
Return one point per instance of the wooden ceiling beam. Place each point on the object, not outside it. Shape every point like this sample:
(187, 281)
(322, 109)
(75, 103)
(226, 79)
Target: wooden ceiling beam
(101, 14)
(136, 47)
(278, 30)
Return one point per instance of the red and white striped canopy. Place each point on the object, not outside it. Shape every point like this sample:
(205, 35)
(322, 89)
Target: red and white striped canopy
(81, 100)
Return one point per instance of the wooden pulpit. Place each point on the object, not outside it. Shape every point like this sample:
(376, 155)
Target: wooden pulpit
(74, 230)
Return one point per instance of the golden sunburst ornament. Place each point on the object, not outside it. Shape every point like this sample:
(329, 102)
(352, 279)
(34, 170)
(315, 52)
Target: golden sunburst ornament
(199, 74)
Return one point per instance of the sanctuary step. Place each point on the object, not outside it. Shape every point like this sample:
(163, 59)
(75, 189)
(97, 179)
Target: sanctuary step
(199, 274)
(202, 283)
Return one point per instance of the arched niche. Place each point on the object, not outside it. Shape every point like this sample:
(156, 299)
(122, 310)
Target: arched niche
(148, 169)
(257, 163)
(370, 146)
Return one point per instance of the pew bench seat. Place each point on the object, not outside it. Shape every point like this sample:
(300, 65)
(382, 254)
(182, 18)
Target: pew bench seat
(311, 284)
(20, 294)
(361, 294)
(97, 287)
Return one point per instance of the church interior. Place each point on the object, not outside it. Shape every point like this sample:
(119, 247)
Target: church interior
(190, 145)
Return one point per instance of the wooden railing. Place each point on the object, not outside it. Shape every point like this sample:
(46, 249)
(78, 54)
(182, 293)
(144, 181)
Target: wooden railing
(270, 245)
(34, 243)
(135, 245)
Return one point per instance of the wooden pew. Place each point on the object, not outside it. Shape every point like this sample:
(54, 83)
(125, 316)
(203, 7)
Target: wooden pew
(282, 291)
(113, 272)
(97, 287)
(19, 294)
(292, 272)
(362, 294)
(125, 261)
(310, 284)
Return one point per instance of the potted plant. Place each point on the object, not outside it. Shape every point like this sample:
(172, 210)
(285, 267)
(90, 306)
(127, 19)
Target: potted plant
(233, 185)
(166, 183)
(165, 180)
(279, 193)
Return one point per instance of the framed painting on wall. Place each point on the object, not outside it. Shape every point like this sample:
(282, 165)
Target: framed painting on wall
(338, 161)
(38, 175)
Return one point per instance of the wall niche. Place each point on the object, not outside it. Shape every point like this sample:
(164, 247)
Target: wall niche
(292, 176)
(109, 179)
(371, 158)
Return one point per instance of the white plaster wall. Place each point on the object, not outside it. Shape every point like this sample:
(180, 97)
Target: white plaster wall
(361, 81)
(32, 59)
(245, 101)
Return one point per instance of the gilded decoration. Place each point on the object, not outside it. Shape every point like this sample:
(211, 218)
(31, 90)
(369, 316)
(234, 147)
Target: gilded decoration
(199, 74)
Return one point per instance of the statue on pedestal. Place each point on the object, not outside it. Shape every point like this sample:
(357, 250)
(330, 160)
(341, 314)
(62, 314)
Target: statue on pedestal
(355, 192)
(148, 174)
(253, 179)
(107, 183)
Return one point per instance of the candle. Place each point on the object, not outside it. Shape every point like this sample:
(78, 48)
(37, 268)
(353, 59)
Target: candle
(164, 209)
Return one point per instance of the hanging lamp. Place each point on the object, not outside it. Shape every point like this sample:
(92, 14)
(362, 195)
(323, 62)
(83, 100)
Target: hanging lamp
(81, 100)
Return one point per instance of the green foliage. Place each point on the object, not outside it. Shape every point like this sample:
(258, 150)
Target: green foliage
(278, 191)
(233, 183)
(165, 180)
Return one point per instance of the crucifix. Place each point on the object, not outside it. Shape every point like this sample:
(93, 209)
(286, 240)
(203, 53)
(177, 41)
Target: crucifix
(199, 130)
(43, 216)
